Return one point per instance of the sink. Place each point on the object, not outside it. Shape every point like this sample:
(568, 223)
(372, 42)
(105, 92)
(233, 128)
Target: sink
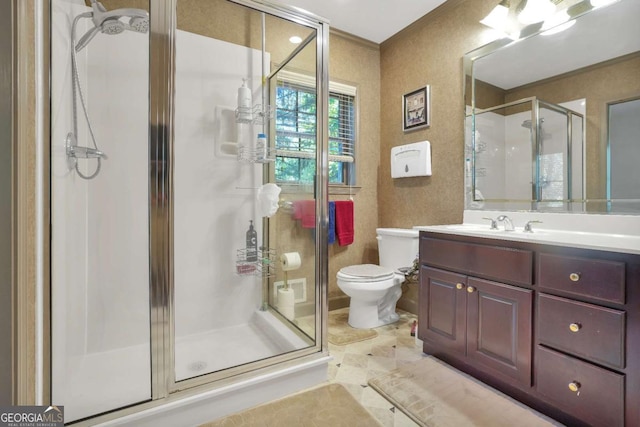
(583, 239)
(486, 229)
(470, 228)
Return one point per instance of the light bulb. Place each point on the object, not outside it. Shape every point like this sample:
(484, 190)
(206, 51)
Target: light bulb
(497, 18)
(536, 11)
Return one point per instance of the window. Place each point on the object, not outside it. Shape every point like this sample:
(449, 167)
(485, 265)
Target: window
(295, 124)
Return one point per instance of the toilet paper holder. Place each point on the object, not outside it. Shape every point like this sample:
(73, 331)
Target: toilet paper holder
(289, 261)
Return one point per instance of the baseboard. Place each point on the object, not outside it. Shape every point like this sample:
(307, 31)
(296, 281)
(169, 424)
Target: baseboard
(340, 301)
(408, 304)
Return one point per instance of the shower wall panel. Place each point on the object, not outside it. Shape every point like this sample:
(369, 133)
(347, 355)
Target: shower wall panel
(100, 254)
(214, 192)
(490, 156)
(518, 157)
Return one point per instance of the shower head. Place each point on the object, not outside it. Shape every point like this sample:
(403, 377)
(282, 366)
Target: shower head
(113, 22)
(527, 123)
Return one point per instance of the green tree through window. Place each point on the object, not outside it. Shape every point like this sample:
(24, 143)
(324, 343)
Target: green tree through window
(296, 134)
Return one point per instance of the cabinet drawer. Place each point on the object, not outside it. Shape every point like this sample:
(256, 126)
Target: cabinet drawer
(593, 278)
(586, 330)
(599, 397)
(494, 262)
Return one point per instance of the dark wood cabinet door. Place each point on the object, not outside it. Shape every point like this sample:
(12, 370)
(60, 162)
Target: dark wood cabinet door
(442, 314)
(499, 320)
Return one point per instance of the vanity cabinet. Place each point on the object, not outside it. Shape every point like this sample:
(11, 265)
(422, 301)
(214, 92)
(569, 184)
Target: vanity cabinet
(555, 327)
(485, 321)
(581, 346)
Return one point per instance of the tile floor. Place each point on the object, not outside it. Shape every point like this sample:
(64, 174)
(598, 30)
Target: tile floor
(354, 364)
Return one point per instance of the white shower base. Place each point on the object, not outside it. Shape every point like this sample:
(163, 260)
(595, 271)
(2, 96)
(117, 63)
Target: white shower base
(104, 381)
(197, 409)
(262, 337)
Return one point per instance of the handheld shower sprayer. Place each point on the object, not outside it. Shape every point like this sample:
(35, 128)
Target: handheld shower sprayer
(113, 22)
(108, 22)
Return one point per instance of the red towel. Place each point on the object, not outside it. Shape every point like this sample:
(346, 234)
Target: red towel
(305, 211)
(344, 222)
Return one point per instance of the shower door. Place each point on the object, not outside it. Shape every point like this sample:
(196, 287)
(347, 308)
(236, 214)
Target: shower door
(99, 207)
(232, 310)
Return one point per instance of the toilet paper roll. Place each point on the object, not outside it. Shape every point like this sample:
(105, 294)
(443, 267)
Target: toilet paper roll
(290, 261)
(286, 303)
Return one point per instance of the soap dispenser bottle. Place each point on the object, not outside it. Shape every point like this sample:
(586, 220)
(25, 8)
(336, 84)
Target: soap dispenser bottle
(261, 147)
(244, 102)
(252, 243)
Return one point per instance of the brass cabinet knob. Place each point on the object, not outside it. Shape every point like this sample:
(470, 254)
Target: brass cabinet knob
(471, 289)
(575, 327)
(574, 386)
(574, 277)
(459, 286)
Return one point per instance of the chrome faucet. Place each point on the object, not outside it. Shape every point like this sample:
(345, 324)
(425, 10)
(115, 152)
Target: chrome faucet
(494, 224)
(508, 225)
(528, 228)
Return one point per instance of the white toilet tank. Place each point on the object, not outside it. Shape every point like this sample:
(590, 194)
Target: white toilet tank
(398, 247)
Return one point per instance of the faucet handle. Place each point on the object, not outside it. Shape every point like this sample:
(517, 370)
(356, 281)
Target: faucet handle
(494, 224)
(527, 226)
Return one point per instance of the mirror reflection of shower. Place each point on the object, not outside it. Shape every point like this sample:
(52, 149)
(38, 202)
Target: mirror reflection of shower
(527, 125)
(107, 22)
(528, 149)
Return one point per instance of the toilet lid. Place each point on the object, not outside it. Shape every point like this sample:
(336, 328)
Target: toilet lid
(365, 273)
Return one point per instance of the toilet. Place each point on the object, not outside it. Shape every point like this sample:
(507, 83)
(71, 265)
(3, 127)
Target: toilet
(375, 289)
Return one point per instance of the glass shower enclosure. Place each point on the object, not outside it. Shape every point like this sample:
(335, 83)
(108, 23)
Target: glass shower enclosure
(176, 258)
(527, 149)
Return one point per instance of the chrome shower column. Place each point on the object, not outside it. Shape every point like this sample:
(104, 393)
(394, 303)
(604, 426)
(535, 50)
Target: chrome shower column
(161, 100)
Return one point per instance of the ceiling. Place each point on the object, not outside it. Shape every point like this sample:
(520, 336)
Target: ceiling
(374, 20)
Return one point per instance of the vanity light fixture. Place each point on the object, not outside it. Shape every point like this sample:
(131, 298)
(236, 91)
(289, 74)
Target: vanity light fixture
(497, 18)
(533, 11)
(295, 39)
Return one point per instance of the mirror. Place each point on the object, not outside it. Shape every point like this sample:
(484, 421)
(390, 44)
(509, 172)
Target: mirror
(541, 111)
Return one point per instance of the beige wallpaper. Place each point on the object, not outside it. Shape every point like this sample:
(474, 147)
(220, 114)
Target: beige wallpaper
(429, 52)
(357, 61)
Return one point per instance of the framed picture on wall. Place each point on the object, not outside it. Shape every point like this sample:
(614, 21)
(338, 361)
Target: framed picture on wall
(416, 109)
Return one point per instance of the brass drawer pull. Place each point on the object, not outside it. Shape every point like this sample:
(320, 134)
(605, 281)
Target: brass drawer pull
(459, 286)
(575, 327)
(471, 289)
(574, 277)
(574, 386)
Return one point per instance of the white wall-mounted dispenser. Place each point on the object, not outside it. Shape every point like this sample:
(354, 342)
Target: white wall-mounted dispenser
(411, 160)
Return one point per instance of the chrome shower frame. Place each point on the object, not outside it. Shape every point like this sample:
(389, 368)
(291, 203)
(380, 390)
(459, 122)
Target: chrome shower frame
(162, 91)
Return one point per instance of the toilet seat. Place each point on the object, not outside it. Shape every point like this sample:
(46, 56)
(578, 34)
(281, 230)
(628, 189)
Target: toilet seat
(365, 273)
